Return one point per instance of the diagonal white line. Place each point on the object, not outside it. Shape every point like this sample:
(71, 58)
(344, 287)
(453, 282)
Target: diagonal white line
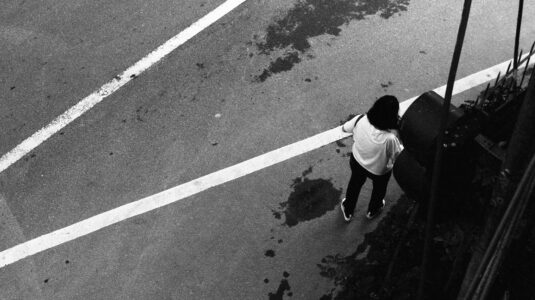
(198, 185)
(112, 86)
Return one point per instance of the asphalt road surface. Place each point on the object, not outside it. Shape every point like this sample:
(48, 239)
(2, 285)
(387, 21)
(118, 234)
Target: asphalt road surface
(267, 74)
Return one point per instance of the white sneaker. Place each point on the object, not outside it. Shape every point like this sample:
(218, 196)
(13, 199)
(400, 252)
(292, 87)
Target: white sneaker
(347, 216)
(371, 215)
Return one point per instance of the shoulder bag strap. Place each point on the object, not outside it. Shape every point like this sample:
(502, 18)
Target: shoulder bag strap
(358, 119)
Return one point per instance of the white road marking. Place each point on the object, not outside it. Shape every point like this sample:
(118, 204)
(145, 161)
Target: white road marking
(109, 88)
(198, 185)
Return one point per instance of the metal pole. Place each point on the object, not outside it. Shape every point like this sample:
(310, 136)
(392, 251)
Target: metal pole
(517, 36)
(437, 166)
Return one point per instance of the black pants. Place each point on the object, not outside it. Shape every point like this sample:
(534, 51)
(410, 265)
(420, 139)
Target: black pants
(358, 177)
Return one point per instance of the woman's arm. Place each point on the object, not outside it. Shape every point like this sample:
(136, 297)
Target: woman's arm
(394, 148)
(350, 125)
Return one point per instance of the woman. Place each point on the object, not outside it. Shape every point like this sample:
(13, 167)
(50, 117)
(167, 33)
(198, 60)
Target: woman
(376, 147)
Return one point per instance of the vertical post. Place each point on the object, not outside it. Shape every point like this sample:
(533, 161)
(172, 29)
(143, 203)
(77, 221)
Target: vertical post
(517, 36)
(437, 165)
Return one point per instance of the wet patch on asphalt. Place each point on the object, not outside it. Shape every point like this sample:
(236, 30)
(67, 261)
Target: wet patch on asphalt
(270, 253)
(311, 18)
(281, 64)
(311, 199)
(365, 268)
(283, 287)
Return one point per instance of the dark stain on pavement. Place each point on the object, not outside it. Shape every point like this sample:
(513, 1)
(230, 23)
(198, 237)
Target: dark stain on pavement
(270, 253)
(310, 18)
(279, 65)
(310, 199)
(304, 174)
(339, 146)
(283, 286)
(27, 158)
(385, 85)
(307, 172)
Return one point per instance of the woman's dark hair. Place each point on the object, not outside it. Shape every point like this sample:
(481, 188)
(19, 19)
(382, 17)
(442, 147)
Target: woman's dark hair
(384, 113)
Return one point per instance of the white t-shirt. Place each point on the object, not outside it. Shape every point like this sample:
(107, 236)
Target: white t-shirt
(375, 150)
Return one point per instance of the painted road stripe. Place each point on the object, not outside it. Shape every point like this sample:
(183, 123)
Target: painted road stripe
(111, 87)
(198, 185)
